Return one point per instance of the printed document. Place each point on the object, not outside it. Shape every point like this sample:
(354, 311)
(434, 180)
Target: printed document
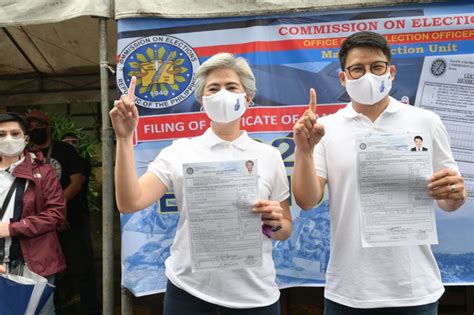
(396, 209)
(224, 233)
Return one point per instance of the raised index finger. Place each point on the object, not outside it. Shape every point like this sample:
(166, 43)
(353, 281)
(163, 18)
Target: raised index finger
(131, 88)
(312, 100)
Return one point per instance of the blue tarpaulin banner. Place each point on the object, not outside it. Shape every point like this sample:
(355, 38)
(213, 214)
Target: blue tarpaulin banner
(289, 54)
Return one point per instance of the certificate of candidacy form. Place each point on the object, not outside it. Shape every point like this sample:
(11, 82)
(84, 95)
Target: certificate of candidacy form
(224, 233)
(396, 209)
(447, 88)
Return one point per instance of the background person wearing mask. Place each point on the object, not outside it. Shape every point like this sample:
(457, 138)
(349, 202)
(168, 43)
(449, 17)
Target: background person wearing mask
(69, 168)
(62, 157)
(365, 280)
(34, 210)
(221, 82)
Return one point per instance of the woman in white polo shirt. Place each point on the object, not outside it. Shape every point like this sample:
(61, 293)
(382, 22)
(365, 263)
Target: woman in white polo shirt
(222, 83)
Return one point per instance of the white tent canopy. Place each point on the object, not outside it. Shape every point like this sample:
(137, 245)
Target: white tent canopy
(49, 51)
(26, 12)
(53, 63)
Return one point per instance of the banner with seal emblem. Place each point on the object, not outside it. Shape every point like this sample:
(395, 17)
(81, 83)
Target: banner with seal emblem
(289, 54)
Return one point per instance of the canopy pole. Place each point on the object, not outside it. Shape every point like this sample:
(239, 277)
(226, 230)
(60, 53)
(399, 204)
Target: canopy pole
(127, 304)
(107, 180)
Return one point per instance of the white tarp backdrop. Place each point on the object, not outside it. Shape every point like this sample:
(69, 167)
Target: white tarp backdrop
(207, 9)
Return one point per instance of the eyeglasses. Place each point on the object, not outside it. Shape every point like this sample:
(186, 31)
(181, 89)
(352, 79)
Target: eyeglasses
(357, 71)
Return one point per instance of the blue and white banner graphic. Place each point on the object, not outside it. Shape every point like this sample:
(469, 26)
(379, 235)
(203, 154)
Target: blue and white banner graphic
(289, 54)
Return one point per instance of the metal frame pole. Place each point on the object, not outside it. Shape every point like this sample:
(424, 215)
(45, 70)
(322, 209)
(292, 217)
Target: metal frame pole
(107, 180)
(127, 304)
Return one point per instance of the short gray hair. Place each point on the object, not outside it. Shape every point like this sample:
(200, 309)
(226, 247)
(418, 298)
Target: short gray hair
(225, 61)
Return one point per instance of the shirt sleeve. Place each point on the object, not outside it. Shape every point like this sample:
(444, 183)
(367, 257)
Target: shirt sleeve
(280, 189)
(319, 159)
(162, 166)
(442, 155)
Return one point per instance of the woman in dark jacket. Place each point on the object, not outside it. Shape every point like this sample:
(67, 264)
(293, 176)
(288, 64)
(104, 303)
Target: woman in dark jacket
(34, 209)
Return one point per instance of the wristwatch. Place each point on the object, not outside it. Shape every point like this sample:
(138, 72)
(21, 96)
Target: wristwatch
(267, 230)
(277, 228)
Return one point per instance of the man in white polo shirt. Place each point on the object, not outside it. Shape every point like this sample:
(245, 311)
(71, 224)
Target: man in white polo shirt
(365, 280)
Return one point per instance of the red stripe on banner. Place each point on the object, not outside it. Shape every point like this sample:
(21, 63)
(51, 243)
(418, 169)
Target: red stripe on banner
(184, 125)
(426, 37)
(280, 45)
(328, 43)
(256, 119)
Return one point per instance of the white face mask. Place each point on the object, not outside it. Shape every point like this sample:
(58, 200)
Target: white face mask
(12, 147)
(370, 88)
(224, 106)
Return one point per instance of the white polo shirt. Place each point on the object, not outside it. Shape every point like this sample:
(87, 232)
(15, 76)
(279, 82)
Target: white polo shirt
(379, 276)
(240, 288)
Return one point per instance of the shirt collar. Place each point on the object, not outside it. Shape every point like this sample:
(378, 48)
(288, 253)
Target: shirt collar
(393, 107)
(13, 165)
(211, 139)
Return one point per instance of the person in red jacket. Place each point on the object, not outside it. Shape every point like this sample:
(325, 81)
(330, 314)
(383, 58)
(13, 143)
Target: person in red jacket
(32, 211)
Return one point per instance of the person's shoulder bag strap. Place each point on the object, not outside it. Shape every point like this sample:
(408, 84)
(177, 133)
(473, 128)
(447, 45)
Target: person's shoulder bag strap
(18, 205)
(15, 184)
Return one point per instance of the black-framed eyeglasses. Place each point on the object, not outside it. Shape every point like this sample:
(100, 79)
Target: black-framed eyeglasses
(357, 71)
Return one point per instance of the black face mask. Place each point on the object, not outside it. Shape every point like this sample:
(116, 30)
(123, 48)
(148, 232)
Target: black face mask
(38, 135)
